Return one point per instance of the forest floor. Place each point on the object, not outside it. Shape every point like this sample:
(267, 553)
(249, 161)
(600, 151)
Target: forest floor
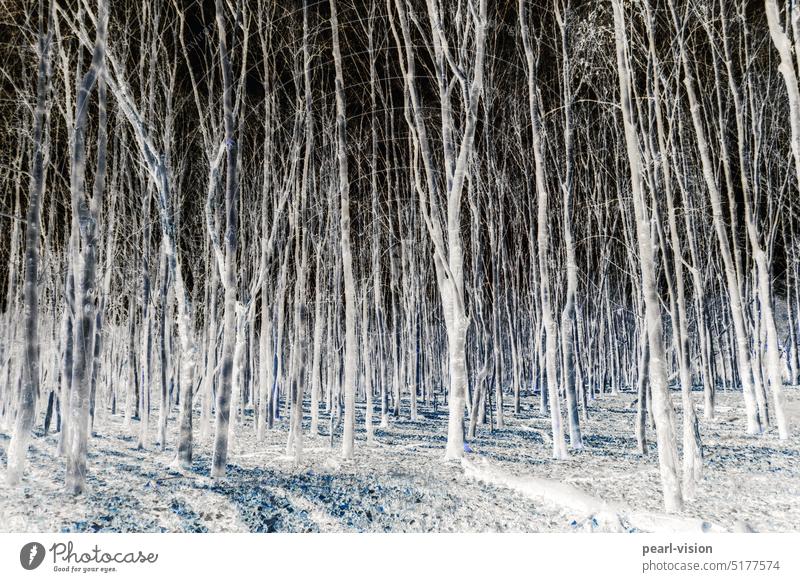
(401, 483)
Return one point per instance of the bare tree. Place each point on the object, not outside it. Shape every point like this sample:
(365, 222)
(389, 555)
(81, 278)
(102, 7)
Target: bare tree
(662, 406)
(229, 271)
(18, 447)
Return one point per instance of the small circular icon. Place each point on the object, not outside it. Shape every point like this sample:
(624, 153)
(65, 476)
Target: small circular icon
(31, 555)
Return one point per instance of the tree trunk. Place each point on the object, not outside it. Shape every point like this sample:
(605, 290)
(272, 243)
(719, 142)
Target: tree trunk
(18, 447)
(662, 405)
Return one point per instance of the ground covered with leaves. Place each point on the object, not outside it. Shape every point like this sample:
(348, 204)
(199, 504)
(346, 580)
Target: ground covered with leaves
(400, 483)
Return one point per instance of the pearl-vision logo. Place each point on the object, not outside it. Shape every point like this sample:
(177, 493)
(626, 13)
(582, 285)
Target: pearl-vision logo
(31, 555)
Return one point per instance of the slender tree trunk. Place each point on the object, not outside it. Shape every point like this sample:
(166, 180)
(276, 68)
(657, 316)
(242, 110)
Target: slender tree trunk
(734, 291)
(567, 187)
(86, 213)
(543, 240)
(231, 244)
(351, 345)
(18, 447)
(662, 405)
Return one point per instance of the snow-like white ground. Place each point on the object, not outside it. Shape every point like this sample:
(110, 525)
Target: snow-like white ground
(508, 482)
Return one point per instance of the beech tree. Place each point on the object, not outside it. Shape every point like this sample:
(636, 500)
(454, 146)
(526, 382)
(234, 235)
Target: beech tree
(30, 369)
(657, 376)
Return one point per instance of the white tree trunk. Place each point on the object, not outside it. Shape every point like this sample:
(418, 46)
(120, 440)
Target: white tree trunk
(18, 447)
(662, 405)
(229, 276)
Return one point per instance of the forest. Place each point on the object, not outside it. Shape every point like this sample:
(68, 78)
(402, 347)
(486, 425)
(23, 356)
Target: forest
(399, 265)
